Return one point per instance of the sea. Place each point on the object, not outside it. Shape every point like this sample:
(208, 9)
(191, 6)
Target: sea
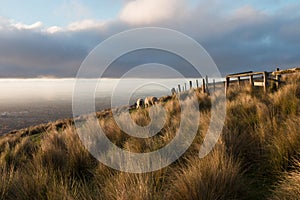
(29, 102)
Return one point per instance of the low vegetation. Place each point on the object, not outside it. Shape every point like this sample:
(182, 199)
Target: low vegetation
(256, 157)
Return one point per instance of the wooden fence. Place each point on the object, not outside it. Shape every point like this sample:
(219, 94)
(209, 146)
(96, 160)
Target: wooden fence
(204, 86)
(255, 79)
(260, 79)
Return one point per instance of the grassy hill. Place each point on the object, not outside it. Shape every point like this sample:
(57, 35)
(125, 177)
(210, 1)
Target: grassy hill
(256, 157)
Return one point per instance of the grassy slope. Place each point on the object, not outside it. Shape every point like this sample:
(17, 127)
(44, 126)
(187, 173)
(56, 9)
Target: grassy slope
(257, 156)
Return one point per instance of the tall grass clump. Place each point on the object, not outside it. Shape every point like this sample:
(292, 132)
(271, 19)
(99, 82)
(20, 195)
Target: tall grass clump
(6, 179)
(241, 134)
(145, 186)
(288, 187)
(287, 100)
(217, 176)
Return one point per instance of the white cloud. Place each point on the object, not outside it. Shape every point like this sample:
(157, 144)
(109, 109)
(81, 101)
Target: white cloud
(82, 25)
(145, 12)
(85, 24)
(54, 29)
(21, 26)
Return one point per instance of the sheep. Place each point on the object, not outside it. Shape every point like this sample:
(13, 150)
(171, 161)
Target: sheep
(140, 103)
(149, 101)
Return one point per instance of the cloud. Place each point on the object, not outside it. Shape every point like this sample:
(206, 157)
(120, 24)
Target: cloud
(53, 29)
(21, 26)
(31, 53)
(238, 38)
(78, 26)
(145, 12)
(85, 25)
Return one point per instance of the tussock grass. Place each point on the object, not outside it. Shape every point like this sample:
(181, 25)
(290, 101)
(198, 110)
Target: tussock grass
(137, 186)
(288, 187)
(255, 157)
(217, 176)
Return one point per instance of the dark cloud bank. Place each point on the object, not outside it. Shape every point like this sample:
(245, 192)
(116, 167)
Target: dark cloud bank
(246, 39)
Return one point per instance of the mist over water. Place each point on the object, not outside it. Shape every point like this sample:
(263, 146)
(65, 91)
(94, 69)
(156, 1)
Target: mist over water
(24, 90)
(27, 102)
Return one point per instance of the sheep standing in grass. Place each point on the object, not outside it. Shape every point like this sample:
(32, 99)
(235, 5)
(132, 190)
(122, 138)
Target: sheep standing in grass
(149, 101)
(140, 103)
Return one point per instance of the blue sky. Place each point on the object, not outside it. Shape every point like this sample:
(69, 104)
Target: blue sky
(52, 38)
(57, 12)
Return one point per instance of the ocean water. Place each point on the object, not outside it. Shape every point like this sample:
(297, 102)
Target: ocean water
(27, 102)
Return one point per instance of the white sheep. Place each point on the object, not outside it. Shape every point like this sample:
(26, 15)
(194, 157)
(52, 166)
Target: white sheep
(140, 103)
(149, 101)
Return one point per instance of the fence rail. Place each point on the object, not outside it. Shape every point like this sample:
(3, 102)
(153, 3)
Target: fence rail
(255, 79)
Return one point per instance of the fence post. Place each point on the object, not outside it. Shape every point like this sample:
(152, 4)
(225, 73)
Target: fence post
(227, 84)
(278, 77)
(173, 91)
(251, 80)
(179, 89)
(203, 85)
(191, 85)
(206, 77)
(214, 85)
(265, 81)
(184, 86)
(197, 83)
(239, 80)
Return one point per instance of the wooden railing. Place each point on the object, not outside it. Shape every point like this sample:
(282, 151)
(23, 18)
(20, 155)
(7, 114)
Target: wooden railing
(265, 77)
(255, 79)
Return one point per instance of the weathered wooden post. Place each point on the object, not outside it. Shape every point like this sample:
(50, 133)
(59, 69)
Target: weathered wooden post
(191, 85)
(277, 77)
(227, 83)
(179, 88)
(184, 86)
(197, 83)
(265, 74)
(203, 86)
(214, 82)
(206, 78)
(173, 91)
(251, 80)
(239, 80)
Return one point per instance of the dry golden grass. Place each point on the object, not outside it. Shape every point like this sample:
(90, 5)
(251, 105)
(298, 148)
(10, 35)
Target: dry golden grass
(288, 186)
(217, 176)
(254, 158)
(136, 186)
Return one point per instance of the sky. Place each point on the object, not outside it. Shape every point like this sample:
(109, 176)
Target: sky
(52, 38)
